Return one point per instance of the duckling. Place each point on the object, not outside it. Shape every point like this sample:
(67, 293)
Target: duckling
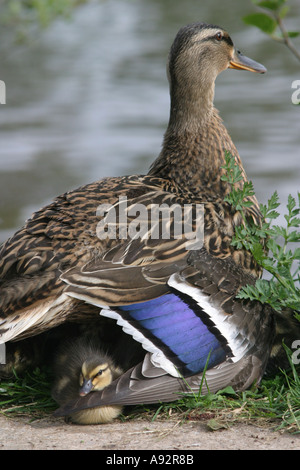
(79, 369)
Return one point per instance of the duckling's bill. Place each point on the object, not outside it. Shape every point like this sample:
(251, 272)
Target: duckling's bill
(242, 62)
(86, 387)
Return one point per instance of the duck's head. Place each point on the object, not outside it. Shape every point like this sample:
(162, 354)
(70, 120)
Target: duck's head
(198, 54)
(95, 375)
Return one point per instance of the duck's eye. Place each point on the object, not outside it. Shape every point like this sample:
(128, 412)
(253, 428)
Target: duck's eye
(99, 373)
(219, 36)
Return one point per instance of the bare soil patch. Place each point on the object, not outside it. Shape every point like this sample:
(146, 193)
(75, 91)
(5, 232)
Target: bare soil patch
(55, 434)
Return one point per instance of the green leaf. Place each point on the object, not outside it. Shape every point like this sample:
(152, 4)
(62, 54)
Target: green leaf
(273, 246)
(284, 11)
(248, 292)
(291, 202)
(297, 253)
(227, 390)
(293, 237)
(269, 4)
(261, 21)
(273, 202)
(293, 34)
(282, 262)
(272, 214)
(268, 264)
(284, 271)
(258, 251)
(278, 2)
(277, 231)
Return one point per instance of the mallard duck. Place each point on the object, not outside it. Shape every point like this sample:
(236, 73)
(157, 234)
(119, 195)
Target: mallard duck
(79, 369)
(64, 265)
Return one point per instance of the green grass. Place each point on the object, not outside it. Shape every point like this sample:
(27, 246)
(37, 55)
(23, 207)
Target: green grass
(28, 395)
(275, 403)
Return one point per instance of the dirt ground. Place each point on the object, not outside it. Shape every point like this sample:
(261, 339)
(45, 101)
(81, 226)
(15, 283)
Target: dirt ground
(55, 434)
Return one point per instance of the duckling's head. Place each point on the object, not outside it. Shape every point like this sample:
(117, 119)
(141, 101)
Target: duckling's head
(95, 375)
(198, 54)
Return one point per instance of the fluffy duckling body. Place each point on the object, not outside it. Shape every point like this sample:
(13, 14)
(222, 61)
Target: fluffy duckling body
(81, 368)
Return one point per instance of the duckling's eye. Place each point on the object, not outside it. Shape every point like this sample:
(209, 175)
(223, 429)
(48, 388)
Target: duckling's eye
(99, 373)
(219, 36)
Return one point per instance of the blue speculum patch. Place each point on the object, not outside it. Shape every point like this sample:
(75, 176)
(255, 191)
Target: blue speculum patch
(181, 329)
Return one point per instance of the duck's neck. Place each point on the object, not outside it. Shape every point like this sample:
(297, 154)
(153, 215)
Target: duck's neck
(194, 145)
(191, 107)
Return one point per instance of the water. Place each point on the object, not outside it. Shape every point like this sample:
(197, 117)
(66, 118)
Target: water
(88, 98)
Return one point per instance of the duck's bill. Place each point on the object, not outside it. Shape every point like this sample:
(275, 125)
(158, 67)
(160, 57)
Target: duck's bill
(241, 62)
(85, 388)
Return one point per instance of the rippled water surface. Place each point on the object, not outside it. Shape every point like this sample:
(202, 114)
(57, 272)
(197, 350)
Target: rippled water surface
(89, 98)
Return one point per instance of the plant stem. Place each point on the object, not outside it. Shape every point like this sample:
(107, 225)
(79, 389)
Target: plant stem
(285, 37)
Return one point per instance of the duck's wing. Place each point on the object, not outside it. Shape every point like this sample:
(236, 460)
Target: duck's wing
(251, 331)
(237, 334)
(197, 323)
(146, 384)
